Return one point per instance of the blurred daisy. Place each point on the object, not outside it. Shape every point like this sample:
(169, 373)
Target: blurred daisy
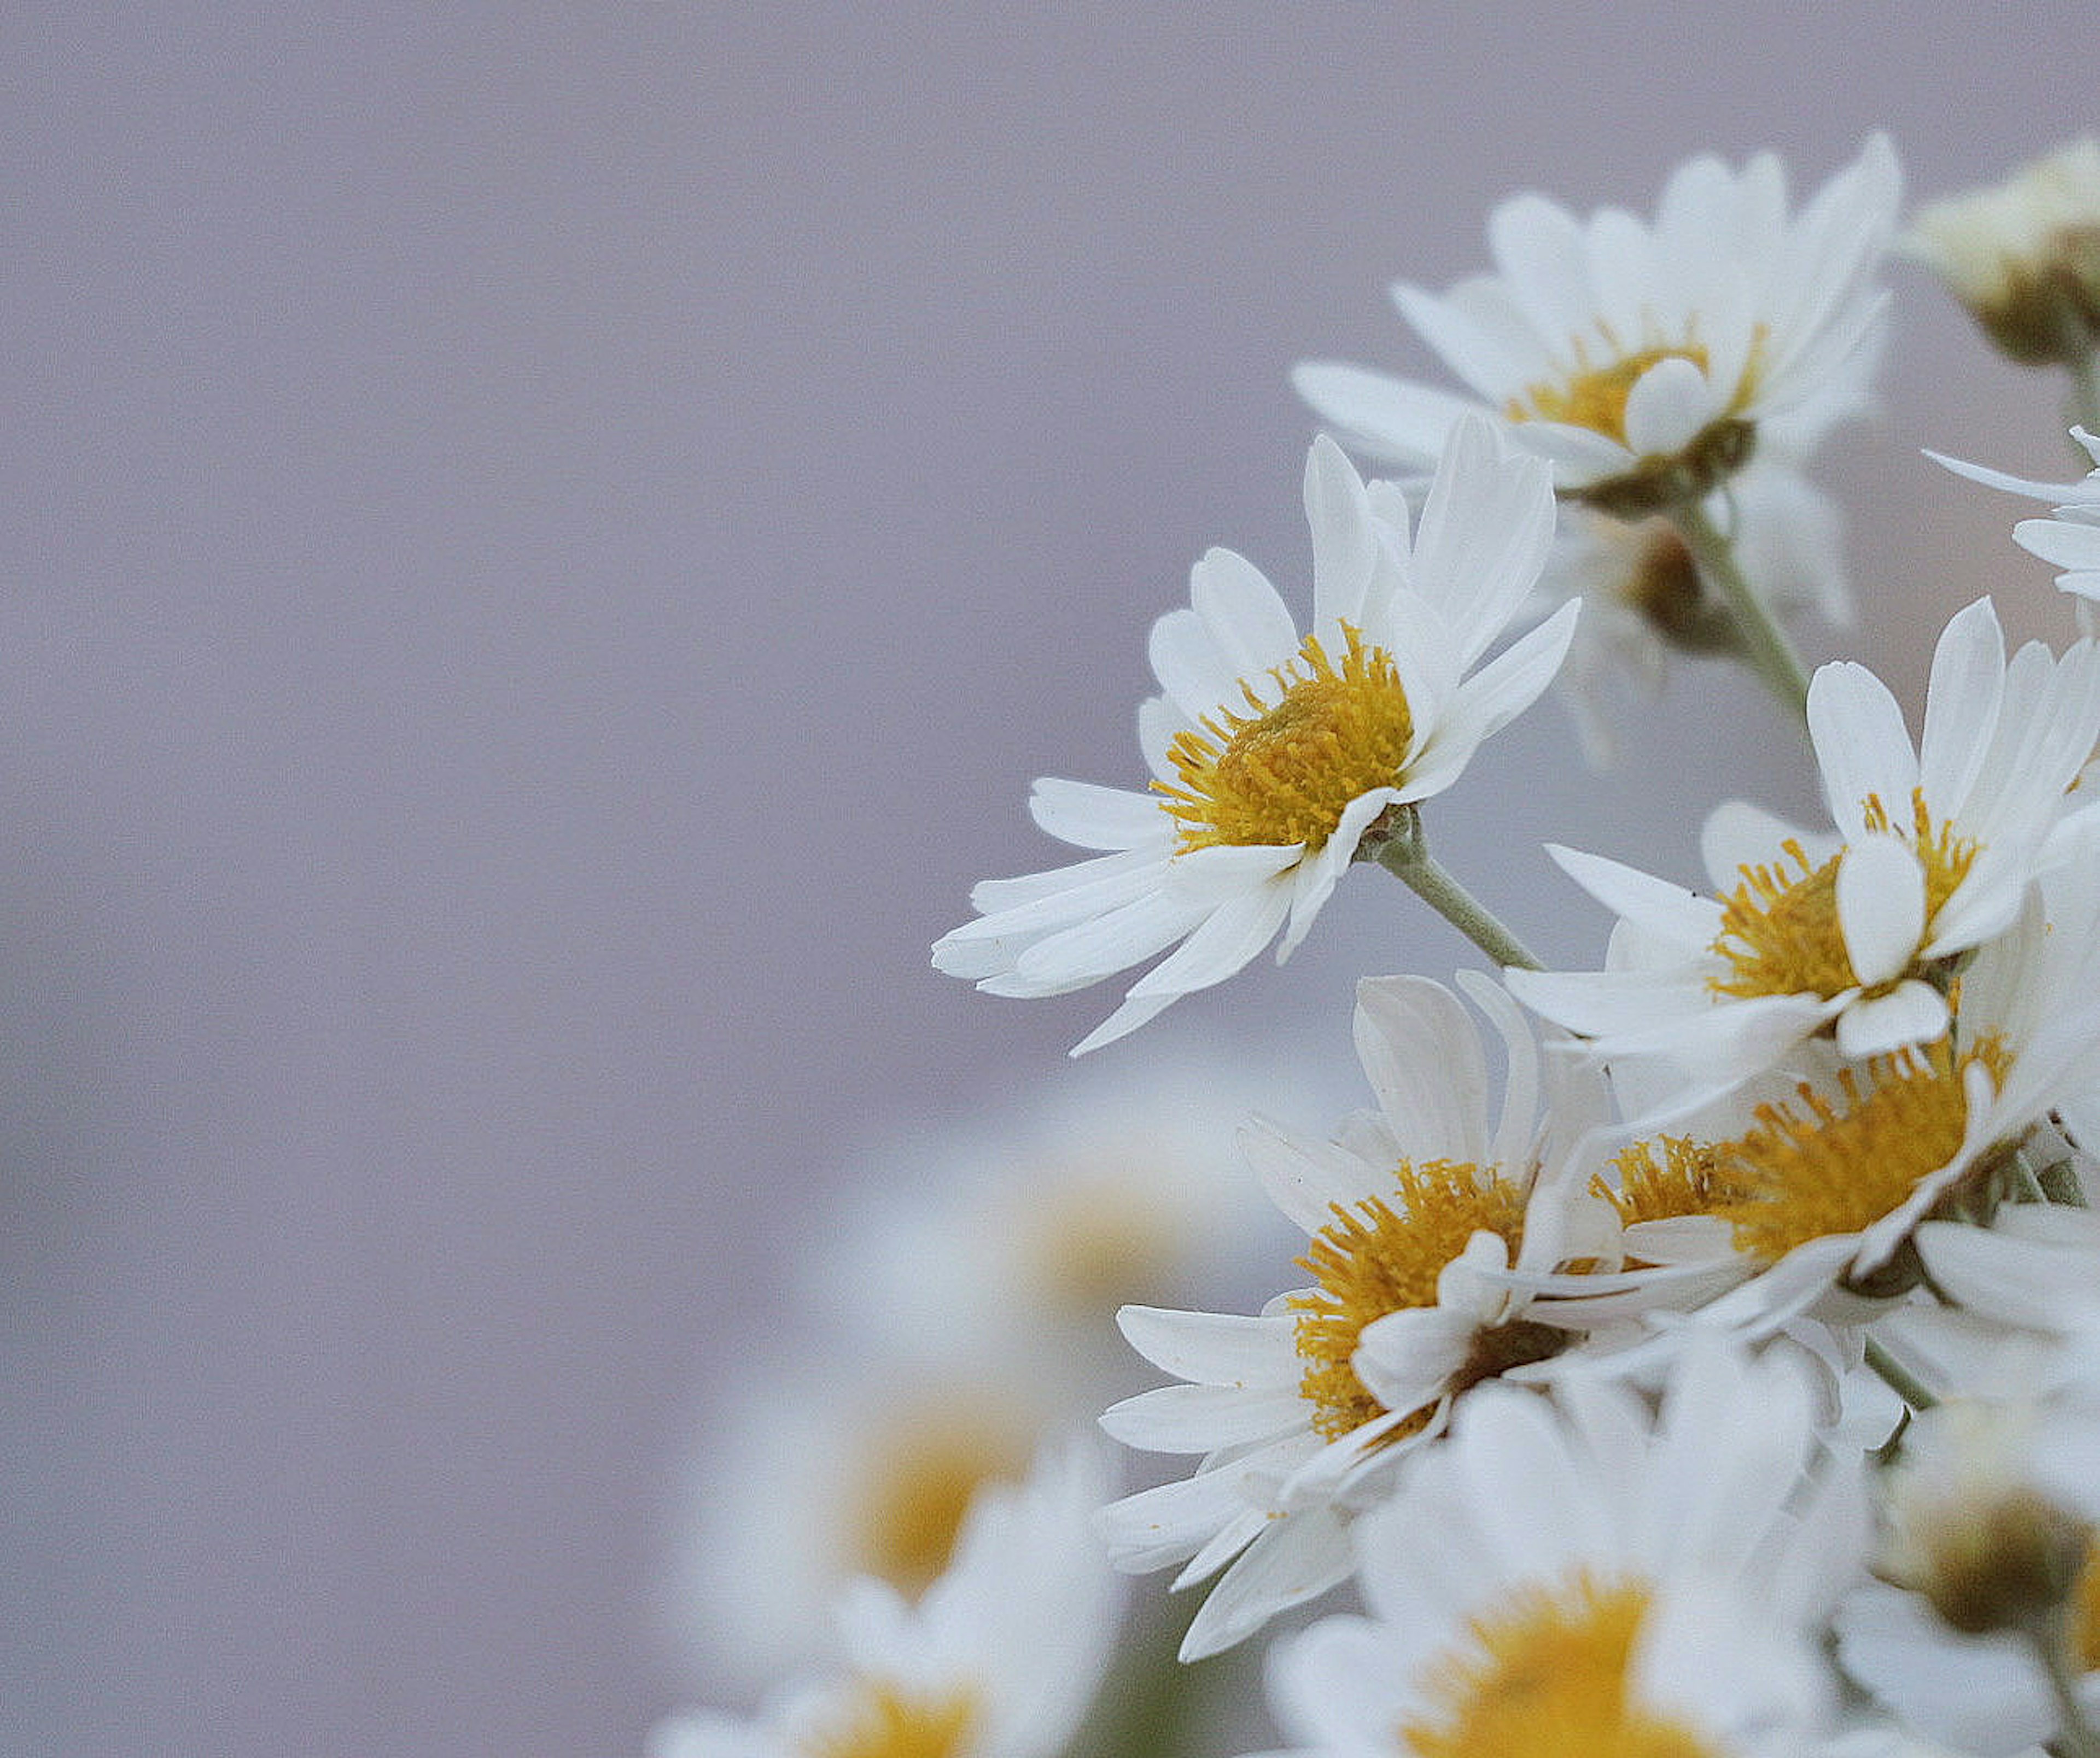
(998, 1658)
(1643, 600)
(1857, 935)
(1273, 754)
(1646, 362)
(2069, 538)
(1993, 1552)
(954, 1311)
(1579, 1577)
(2024, 257)
(1303, 1412)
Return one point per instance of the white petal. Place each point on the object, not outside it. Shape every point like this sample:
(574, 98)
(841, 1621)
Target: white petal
(1911, 1013)
(1423, 1059)
(1667, 405)
(1861, 742)
(1214, 1348)
(1200, 1419)
(1881, 906)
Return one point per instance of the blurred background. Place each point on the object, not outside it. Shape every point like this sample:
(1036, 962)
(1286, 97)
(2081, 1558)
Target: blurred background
(541, 548)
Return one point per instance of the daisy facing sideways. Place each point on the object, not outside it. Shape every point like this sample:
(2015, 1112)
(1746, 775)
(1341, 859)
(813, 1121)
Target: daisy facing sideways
(1857, 935)
(1647, 360)
(1575, 1576)
(1306, 1413)
(1273, 753)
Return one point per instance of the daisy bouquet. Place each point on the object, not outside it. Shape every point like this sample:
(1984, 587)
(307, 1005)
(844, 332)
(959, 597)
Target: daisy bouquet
(1694, 1356)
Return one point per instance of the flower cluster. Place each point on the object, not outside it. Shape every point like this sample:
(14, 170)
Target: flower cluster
(1694, 1357)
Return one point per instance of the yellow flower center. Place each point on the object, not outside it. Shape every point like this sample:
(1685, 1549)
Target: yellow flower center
(1689, 1178)
(1285, 771)
(1780, 931)
(1378, 1258)
(884, 1721)
(922, 1472)
(1819, 1170)
(1550, 1674)
(1595, 396)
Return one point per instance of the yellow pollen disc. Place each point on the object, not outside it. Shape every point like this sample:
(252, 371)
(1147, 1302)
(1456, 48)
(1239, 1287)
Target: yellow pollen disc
(1689, 1178)
(886, 1722)
(1594, 396)
(1549, 1674)
(1379, 1258)
(923, 1473)
(1819, 1170)
(1284, 772)
(1779, 932)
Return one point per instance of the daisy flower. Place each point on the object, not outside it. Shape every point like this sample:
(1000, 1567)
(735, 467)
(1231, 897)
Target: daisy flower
(1821, 1195)
(1272, 754)
(2069, 538)
(1992, 1551)
(1644, 599)
(1646, 361)
(2024, 257)
(1576, 1576)
(1303, 1412)
(998, 1658)
(1856, 935)
(950, 1315)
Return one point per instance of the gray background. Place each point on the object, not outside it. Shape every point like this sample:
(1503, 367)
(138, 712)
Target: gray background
(543, 545)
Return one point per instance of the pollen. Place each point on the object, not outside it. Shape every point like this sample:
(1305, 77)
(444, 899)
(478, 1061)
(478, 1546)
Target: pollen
(1780, 931)
(1668, 1176)
(884, 1721)
(1595, 396)
(1382, 1257)
(1550, 1674)
(1819, 1169)
(1285, 771)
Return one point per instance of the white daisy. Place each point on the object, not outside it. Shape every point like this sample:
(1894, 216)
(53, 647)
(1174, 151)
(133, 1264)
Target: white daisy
(1273, 754)
(2069, 538)
(1643, 600)
(1857, 934)
(1303, 1412)
(998, 1658)
(1646, 361)
(819, 1467)
(1992, 1546)
(1577, 1576)
(1821, 1195)
(956, 1309)
(2024, 257)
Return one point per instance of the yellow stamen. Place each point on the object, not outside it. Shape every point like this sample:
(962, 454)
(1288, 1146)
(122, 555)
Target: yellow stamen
(1379, 1258)
(1779, 932)
(1551, 1675)
(1595, 396)
(1284, 772)
(1820, 1170)
(1690, 1180)
(885, 1722)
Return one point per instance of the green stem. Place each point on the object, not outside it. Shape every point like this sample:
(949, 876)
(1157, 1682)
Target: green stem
(1770, 654)
(1899, 1378)
(1403, 851)
(1153, 1705)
